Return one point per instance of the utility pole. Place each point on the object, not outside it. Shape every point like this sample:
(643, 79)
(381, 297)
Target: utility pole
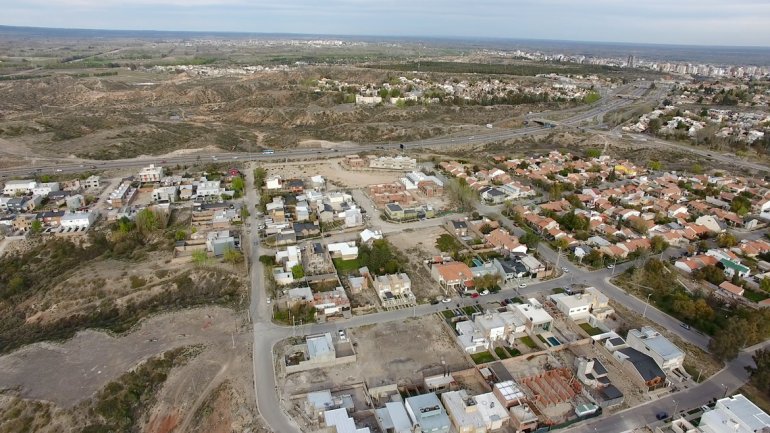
(644, 314)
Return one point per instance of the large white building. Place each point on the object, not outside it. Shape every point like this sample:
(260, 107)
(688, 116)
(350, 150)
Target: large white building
(45, 188)
(77, 220)
(393, 163)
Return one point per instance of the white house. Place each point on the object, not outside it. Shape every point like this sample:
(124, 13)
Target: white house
(45, 188)
(576, 307)
(77, 219)
(491, 326)
(150, 173)
(92, 182)
(290, 257)
(344, 250)
(534, 316)
(274, 183)
(208, 188)
(13, 187)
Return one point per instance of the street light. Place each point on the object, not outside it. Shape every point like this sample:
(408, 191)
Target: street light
(644, 314)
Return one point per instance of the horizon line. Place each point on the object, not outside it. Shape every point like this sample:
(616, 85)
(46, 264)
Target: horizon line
(465, 38)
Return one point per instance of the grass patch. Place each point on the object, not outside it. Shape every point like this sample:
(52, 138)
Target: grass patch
(448, 314)
(469, 310)
(527, 341)
(756, 396)
(501, 353)
(755, 296)
(346, 266)
(557, 290)
(591, 330)
(694, 372)
(482, 357)
(513, 352)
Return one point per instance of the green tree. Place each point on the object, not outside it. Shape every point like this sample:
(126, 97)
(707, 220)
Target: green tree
(728, 341)
(260, 174)
(655, 165)
(710, 273)
(486, 229)
(726, 240)
(297, 271)
(760, 375)
(740, 205)
(383, 93)
(593, 153)
(530, 240)
(697, 168)
(461, 194)
(36, 227)
(765, 284)
(595, 258)
(237, 184)
(658, 244)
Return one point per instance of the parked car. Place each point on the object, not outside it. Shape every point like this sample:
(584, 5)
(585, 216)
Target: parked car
(484, 292)
(268, 300)
(684, 325)
(522, 285)
(661, 415)
(342, 335)
(474, 295)
(434, 302)
(610, 266)
(446, 300)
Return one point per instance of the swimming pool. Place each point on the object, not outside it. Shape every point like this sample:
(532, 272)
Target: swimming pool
(554, 342)
(477, 262)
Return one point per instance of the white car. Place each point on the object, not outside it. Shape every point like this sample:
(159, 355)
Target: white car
(484, 292)
(268, 300)
(342, 335)
(446, 300)
(610, 266)
(522, 285)
(565, 270)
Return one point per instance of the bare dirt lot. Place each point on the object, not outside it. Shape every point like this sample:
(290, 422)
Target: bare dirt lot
(213, 392)
(387, 353)
(333, 172)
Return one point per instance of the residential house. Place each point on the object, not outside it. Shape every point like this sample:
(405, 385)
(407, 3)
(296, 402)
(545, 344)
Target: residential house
(79, 220)
(534, 316)
(393, 418)
(474, 414)
(15, 187)
(218, 242)
(393, 286)
(576, 307)
(665, 353)
(641, 368)
(45, 188)
(393, 163)
(453, 275)
(150, 174)
(505, 242)
(343, 250)
(331, 302)
(426, 411)
(92, 182)
(731, 290)
(734, 414)
(458, 227)
(341, 422)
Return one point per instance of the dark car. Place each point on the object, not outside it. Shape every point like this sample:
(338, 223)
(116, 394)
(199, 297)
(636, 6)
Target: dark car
(661, 415)
(434, 302)
(685, 326)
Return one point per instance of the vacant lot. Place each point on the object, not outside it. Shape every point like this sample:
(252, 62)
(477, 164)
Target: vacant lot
(333, 172)
(388, 353)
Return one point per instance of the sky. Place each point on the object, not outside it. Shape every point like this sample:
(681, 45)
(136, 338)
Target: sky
(696, 22)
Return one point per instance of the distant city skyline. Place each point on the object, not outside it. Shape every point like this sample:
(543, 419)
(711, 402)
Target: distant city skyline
(688, 22)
